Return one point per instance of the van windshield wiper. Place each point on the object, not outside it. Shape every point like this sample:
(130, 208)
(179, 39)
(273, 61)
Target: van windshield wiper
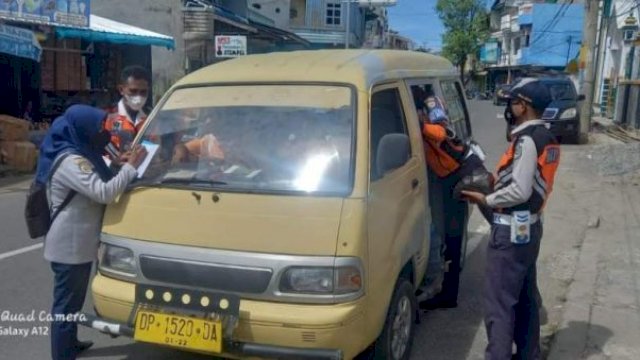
(183, 181)
(176, 181)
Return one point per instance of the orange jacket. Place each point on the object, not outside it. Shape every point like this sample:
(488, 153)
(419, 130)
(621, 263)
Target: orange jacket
(443, 155)
(122, 128)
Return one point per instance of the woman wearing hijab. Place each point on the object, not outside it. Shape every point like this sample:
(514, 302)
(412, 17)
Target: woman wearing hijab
(77, 140)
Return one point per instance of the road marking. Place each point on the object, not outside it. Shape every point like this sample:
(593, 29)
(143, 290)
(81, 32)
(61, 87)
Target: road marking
(475, 240)
(20, 251)
(500, 116)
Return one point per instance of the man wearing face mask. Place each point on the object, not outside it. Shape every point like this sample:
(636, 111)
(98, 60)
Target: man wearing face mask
(525, 179)
(125, 124)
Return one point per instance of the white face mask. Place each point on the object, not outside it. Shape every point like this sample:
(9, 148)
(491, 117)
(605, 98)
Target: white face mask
(135, 102)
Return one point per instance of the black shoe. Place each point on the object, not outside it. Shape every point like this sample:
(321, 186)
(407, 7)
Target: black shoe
(83, 345)
(438, 303)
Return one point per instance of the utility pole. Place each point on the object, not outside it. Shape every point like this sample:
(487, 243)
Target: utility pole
(347, 32)
(590, 34)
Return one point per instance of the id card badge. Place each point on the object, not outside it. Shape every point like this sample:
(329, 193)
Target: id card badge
(521, 227)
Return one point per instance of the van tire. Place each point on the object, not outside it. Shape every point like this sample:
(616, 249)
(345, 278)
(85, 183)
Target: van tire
(402, 316)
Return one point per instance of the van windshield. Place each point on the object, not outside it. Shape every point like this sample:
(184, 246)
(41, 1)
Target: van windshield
(254, 138)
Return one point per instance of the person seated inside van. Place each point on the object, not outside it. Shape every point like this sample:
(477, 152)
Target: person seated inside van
(448, 155)
(455, 167)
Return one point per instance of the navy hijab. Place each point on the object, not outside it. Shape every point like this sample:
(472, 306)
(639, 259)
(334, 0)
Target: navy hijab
(72, 132)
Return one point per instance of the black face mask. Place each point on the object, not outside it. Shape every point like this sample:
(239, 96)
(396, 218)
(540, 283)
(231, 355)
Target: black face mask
(100, 140)
(508, 115)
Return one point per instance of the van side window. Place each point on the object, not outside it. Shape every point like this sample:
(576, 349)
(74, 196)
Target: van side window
(387, 117)
(458, 115)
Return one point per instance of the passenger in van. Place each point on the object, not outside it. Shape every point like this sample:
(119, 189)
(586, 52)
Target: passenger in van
(448, 155)
(457, 168)
(205, 147)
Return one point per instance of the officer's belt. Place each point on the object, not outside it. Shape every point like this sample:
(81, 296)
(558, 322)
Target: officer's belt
(504, 219)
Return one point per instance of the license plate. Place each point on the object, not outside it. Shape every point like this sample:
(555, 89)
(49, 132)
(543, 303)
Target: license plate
(179, 331)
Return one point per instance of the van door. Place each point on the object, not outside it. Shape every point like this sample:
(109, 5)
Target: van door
(453, 95)
(397, 218)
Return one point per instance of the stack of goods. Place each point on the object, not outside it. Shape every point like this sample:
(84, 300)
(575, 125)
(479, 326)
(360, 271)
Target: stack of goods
(16, 150)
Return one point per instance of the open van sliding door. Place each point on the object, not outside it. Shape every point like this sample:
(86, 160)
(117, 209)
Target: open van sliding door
(396, 206)
(440, 202)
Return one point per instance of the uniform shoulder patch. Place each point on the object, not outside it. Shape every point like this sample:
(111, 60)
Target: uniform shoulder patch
(84, 165)
(518, 148)
(553, 154)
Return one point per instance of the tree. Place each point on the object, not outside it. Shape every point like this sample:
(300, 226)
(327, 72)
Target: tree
(467, 27)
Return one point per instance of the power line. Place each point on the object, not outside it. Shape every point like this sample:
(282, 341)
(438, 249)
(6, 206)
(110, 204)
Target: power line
(629, 11)
(554, 21)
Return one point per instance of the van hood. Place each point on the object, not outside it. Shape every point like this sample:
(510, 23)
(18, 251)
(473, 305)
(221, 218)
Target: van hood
(277, 224)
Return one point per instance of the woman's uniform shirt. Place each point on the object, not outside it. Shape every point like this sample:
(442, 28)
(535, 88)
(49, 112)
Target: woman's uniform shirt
(74, 235)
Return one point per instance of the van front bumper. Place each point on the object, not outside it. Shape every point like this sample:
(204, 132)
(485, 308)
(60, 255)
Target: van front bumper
(231, 347)
(264, 329)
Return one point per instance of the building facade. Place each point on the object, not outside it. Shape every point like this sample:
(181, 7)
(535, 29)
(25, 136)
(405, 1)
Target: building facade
(324, 23)
(194, 25)
(531, 34)
(619, 63)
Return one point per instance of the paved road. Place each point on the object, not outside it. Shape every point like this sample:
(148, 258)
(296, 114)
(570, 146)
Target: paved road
(25, 284)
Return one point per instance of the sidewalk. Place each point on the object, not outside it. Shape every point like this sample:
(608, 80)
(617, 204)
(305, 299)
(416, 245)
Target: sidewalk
(601, 315)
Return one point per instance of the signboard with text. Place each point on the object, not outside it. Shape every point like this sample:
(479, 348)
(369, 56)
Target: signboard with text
(19, 42)
(489, 53)
(55, 12)
(230, 46)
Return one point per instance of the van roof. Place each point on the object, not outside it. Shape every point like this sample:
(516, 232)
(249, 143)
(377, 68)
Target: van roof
(362, 68)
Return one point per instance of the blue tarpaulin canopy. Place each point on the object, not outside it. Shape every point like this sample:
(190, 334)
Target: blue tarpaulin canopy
(19, 42)
(105, 30)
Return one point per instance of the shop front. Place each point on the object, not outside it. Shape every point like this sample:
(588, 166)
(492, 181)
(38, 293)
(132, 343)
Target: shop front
(58, 58)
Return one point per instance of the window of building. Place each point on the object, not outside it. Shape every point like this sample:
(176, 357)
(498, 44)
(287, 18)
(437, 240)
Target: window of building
(297, 13)
(334, 14)
(387, 117)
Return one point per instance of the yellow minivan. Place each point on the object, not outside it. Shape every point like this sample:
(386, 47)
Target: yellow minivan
(284, 212)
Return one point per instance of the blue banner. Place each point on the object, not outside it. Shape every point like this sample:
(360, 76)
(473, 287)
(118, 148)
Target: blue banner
(74, 13)
(19, 42)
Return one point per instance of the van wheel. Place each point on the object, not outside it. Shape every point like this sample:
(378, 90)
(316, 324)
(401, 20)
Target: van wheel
(397, 336)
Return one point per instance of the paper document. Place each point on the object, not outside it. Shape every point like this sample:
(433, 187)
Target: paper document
(151, 151)
(180, 175)
(107, 160)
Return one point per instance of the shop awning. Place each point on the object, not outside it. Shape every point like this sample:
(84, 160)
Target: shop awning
(106, 30)
(19, 42)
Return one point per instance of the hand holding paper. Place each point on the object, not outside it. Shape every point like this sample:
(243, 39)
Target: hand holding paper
(144, 155)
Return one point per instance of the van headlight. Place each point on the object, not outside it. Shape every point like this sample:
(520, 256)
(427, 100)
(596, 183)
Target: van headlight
(117, 259)
(321, 280)
(569, 114)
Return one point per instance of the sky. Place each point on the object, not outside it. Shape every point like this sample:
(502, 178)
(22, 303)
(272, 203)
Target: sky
(418, 20)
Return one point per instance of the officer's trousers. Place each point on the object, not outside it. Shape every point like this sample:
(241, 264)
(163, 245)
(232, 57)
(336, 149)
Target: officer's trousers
(511, 295)
(69, 290)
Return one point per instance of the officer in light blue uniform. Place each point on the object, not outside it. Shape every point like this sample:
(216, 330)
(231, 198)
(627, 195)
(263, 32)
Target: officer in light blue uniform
(524, 182)
(77, 140)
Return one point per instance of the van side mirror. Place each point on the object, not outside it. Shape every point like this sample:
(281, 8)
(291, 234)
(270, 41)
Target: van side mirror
(581, 97)
(393, 152)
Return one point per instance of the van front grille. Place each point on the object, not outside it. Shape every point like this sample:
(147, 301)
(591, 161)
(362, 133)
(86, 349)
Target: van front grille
(204, 275)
